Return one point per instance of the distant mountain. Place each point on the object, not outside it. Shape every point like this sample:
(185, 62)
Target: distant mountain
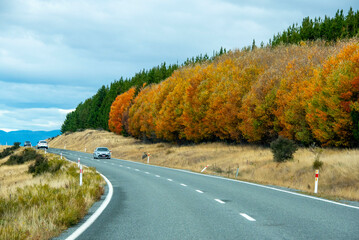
(26, 135)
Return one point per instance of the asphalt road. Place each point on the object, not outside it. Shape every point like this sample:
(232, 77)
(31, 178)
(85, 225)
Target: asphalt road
(151, 202)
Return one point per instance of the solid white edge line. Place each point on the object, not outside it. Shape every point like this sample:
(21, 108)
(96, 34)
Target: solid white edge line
(220, 201)
(247, 217)
(94, 216)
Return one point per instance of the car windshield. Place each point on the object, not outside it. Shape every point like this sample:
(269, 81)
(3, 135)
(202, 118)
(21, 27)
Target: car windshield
(43, 142)
(102, 149)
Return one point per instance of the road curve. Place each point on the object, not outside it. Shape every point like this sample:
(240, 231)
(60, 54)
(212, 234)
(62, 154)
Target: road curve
(151, 202)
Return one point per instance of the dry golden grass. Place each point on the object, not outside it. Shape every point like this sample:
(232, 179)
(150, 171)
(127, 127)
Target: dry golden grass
(339, 177)
(41, 207)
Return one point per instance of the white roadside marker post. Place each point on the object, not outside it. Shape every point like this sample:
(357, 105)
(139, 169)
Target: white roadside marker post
(204, 168)
(80, 175)
(148, 158)
(85, 149)
(78, 162)
(237, 173)
(61, 155)
(316, 181)
(65, 146)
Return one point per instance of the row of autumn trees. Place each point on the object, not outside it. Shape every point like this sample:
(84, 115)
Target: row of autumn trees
(327, 28)
(307, 92)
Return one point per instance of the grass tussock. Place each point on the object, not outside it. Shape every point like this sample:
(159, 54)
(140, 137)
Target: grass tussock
(42, 206)
(338, 177)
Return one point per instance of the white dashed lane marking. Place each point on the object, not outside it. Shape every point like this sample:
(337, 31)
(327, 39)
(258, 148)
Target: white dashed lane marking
(220, 201)
(199, 191)
(157, 175)
(147, 172)
(247, 217)
(182, 184)
(169, 179)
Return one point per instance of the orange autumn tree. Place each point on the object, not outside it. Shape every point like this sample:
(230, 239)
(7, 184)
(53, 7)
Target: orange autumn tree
(331, 109)
(294, 92)
(258, 122)
(119, 109)
(141, 114)
(168, 120)
(231, 81)
(196, 102)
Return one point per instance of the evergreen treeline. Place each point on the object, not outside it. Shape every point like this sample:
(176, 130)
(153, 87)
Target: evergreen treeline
(328, 29)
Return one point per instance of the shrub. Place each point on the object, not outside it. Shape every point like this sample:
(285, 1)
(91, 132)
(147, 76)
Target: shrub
(40, 166)
(27, 155)
(283, 149)
(317, 164)
(8, 151)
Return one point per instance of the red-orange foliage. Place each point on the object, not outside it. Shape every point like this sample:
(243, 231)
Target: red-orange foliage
(294, 91)
(142, 113)
(329, 111)
(119, 109)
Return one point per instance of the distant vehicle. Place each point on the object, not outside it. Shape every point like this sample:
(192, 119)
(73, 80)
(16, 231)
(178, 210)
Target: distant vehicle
(27, 144)
(102, 152)
(42, 144)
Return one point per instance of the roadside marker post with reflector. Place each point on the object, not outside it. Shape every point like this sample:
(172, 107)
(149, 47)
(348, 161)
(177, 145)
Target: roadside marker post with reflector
(78, 162)
(80, 175)
(316, 181)
(204, 168)
(85, 149)
(148, 158)
(61, 155)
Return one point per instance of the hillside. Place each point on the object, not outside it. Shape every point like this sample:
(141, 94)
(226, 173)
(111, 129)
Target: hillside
(339, 177)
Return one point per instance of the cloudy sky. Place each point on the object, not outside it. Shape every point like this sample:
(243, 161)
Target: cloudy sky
(56, 53)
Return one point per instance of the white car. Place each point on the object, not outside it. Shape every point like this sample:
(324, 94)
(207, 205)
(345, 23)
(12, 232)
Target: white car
(42, 144)
(102, 152)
